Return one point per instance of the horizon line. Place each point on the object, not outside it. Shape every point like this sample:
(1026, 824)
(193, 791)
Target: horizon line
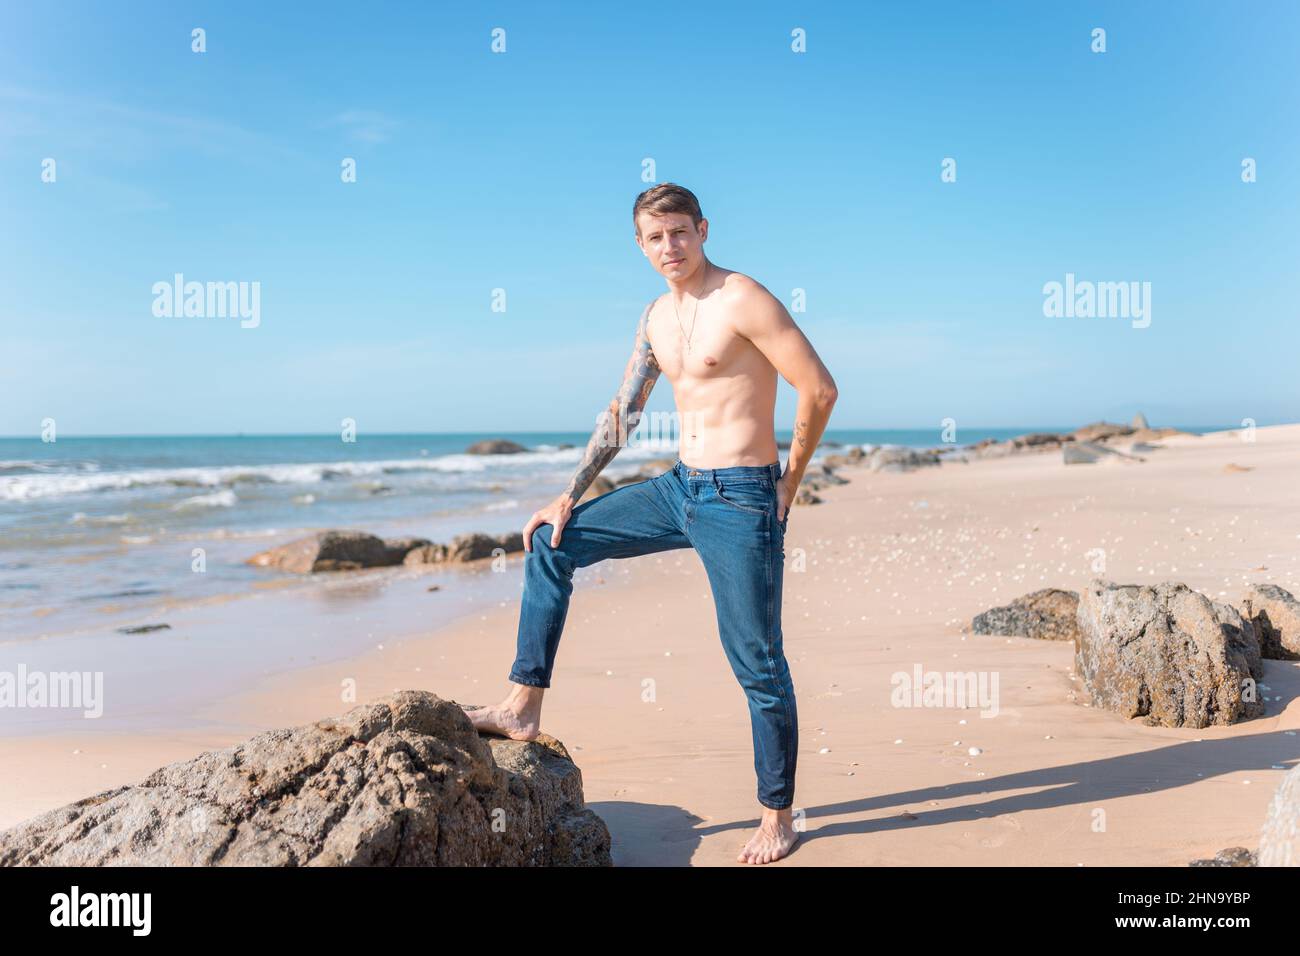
(1027, 429)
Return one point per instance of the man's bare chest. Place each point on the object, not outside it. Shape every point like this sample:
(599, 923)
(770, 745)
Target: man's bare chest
(715, 350)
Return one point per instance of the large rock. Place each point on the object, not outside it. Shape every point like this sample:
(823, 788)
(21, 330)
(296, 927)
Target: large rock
(1234, 856)
(1146, 435)
(1275, 614)
(337, 551)
(495, 446)
(819, 476)
(900, 459)
(1031, 443)
(992, 448)
(1100, 431)
(1279, 841)
(1041, 439)
(1050, 615)
(1088, 452)
(466, 547)
(1167, 654)
(405, 781)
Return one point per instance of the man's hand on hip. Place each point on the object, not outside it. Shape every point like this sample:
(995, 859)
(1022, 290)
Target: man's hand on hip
(785, 491)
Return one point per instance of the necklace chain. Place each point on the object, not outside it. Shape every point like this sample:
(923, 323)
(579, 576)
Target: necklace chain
(694, 311)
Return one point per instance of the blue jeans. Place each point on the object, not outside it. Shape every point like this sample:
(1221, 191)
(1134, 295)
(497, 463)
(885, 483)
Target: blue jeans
(728, 515)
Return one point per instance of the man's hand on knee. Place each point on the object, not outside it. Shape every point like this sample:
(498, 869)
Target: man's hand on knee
(556, 514)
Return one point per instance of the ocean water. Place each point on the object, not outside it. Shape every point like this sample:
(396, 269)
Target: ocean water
(95, 531)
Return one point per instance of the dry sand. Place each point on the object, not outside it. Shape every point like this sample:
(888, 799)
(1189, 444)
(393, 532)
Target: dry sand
(894, 566)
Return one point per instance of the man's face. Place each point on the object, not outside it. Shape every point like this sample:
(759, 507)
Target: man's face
(672, 243)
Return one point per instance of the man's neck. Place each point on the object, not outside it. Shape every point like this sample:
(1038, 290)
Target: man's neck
(693, 284)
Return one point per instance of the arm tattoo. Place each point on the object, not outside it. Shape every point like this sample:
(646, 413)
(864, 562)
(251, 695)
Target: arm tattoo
(801, 433)
(620, 417)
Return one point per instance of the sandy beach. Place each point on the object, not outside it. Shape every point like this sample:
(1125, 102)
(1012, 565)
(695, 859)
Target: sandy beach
(883, 576)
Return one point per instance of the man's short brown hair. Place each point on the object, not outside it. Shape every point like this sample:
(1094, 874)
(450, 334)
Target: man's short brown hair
(665, 198)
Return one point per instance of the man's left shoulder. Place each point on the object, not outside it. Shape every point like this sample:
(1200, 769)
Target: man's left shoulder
(738, 287)
(752, 308)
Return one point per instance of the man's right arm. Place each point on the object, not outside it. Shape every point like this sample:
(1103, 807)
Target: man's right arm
(623, 412)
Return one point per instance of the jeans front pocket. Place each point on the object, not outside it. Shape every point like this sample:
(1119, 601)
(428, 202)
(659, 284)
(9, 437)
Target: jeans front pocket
(755, 497)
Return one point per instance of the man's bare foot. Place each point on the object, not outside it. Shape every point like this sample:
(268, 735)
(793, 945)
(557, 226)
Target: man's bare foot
(517, 717)
(774, 838)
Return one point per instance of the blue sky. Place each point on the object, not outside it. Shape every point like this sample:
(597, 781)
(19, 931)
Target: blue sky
(478, 170)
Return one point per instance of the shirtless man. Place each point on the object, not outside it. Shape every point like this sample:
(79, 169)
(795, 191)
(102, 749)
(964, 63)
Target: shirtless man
(721, 338)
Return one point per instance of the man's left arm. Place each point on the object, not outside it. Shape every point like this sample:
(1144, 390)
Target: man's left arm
(763, 320)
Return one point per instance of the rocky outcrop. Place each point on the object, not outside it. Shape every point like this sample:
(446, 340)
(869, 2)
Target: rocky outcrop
(1088, 452)
(1167, 654)
(1100, 431)
(805, 497)
(854, 456)
(337, 551)
(495, 446)
(354, 550)
(466, 547)
(1031, 443)
(1232, 856)
(1041, 439)
(1275, 615)
(1090, 441)
(1049, 615)
(819, 476)
(1144, 435)
(405, 781)
(900, 459)
(1279, 842)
